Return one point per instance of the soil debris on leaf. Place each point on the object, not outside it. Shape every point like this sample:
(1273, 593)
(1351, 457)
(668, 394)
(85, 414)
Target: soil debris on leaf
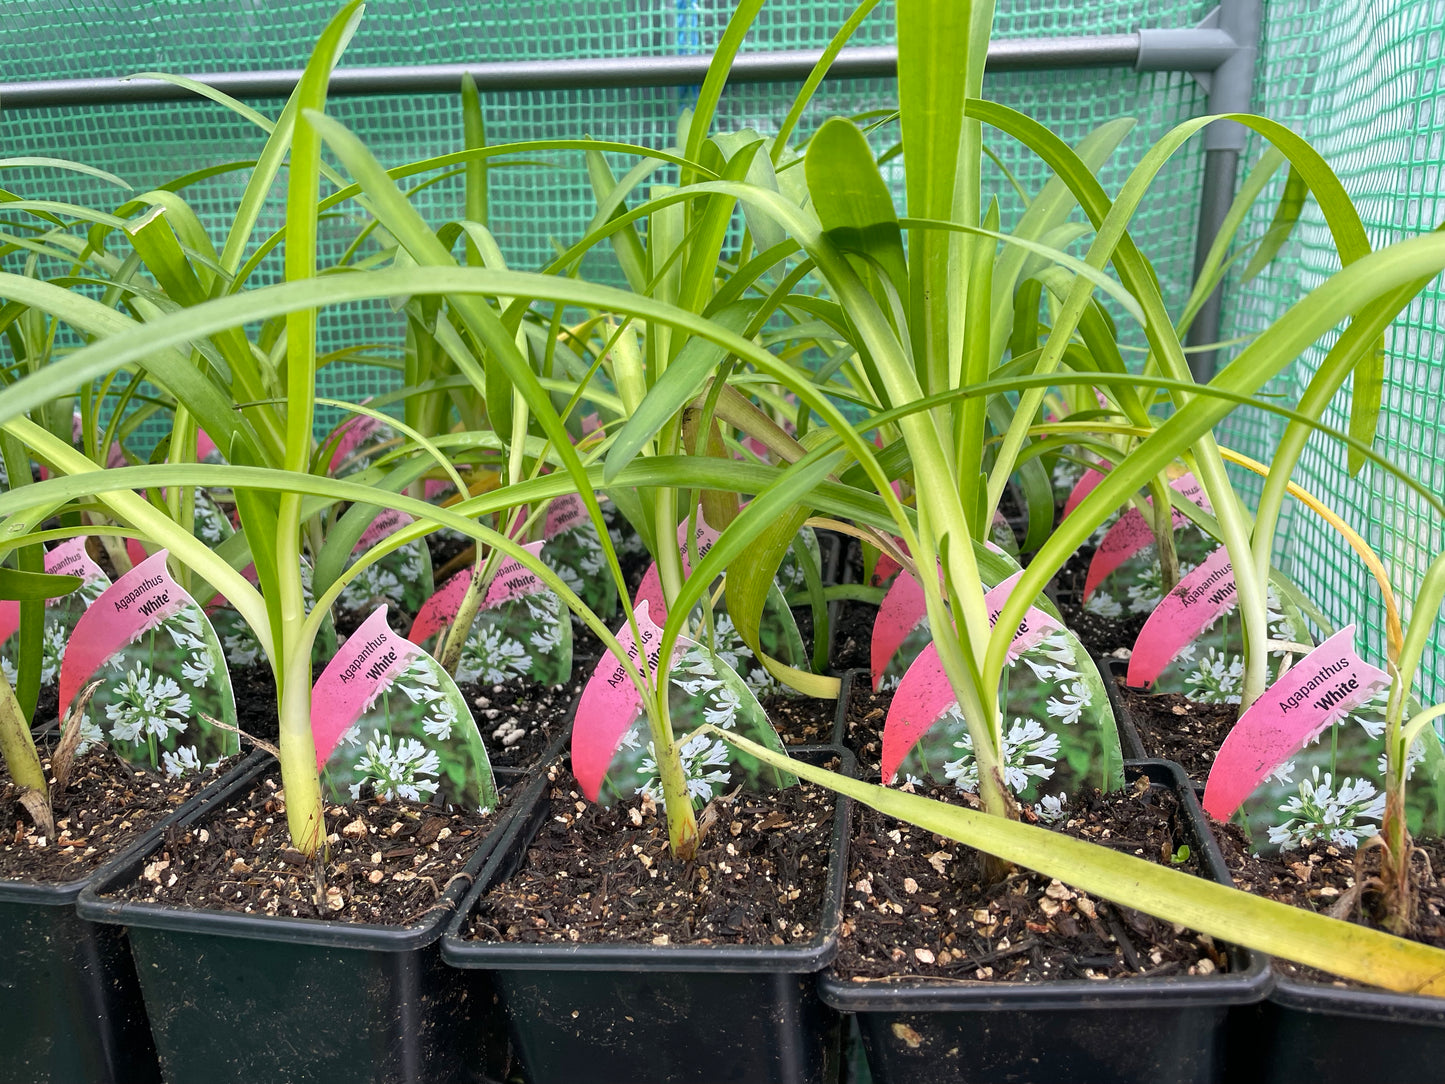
(597, 874)
(918, 905)
(105, 807)
(389, 862)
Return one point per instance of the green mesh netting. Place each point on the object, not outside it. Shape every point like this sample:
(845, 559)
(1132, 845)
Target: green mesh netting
(1359, 83)
(532, 208)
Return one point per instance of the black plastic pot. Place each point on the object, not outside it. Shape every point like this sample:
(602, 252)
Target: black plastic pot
(1144, 1030)
(258, 998)
(1310, 1033)
(647, 1014)
(1111, 671)
(70, 1007)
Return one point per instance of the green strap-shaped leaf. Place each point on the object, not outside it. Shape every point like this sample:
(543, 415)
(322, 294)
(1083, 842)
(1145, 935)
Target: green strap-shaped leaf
(1356, 952)
(853, 203)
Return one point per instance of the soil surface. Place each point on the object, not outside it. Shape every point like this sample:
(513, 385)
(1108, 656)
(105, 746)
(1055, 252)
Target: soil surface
(1173, 727)
(606, 875)
(852, 636)
(105, 807)
(519, 720)
(1321, 877)
(863, 726)
(389, 861)
(918, 905)
(1104, 636)
(802, 720)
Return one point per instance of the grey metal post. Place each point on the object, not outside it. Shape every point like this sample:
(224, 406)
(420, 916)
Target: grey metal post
(1199, 49)
(1230, 87)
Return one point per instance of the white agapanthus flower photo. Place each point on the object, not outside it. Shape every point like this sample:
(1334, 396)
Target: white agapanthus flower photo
(147, 704)
(1104, 605)
(185, 759)
(407, 770)
(1028, 754)
(1217, 679)
(1345, 815)
(490, 656)
(703, 762)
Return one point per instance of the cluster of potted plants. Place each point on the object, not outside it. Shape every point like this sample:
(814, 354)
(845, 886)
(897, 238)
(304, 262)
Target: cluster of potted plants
(480, 736)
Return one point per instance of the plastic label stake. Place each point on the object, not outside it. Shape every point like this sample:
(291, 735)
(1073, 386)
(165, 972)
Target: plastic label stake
(1318, 690)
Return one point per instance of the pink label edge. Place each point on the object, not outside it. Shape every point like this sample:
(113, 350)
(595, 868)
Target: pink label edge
(137, 601)
(1196, 602)
(925, 692)
(1131, 533)
(1264, 738)
(610, 703)
(71, 551)
(361, 670)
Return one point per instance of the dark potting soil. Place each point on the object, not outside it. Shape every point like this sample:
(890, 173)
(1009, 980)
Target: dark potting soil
(606, 875)
(1173, 727)
(1102, 635)
(802, 720)
(47, 706)
(853, 636)
(254, 687)
(444, 547)
(518, 720)
(863, 726)
(918, 906)
(105, 806)
(389, 861)
(1320, 877)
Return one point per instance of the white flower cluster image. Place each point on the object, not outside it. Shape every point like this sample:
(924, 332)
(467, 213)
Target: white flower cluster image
(1217, 678)
(1345, 814)
(491, 656)
(147, 705)
(704, 759)
(1029, 753)
(406, 770)
(419, 684)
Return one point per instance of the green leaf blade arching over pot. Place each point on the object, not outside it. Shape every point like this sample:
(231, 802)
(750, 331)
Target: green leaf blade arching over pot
(1356, 952)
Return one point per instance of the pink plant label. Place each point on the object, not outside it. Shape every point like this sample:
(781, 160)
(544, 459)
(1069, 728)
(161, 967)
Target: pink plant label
(67, 559)
(1318, 690)
(383, 526)
(1035, 624)
(651, 589)
(514, 579)
(354, 432)
(441, 609)
(1195, 603)
(564, 514)
(138, 601)
(926, 693)
(885, 568)
(1131, 533)
(1085, 485)
(902, 610)
(206, 448)
(364, 666)
(610, 703)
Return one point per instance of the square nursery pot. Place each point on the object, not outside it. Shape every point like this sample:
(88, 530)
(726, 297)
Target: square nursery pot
(1313, 1033)
(1145, 1031)
(648, 1014)
(261, 998)
(70, 1007)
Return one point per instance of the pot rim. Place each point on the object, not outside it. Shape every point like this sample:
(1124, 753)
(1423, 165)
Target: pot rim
(804, 958)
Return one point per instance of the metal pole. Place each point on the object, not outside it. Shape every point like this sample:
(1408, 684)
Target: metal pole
(1199, 49)
(1231, 90)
